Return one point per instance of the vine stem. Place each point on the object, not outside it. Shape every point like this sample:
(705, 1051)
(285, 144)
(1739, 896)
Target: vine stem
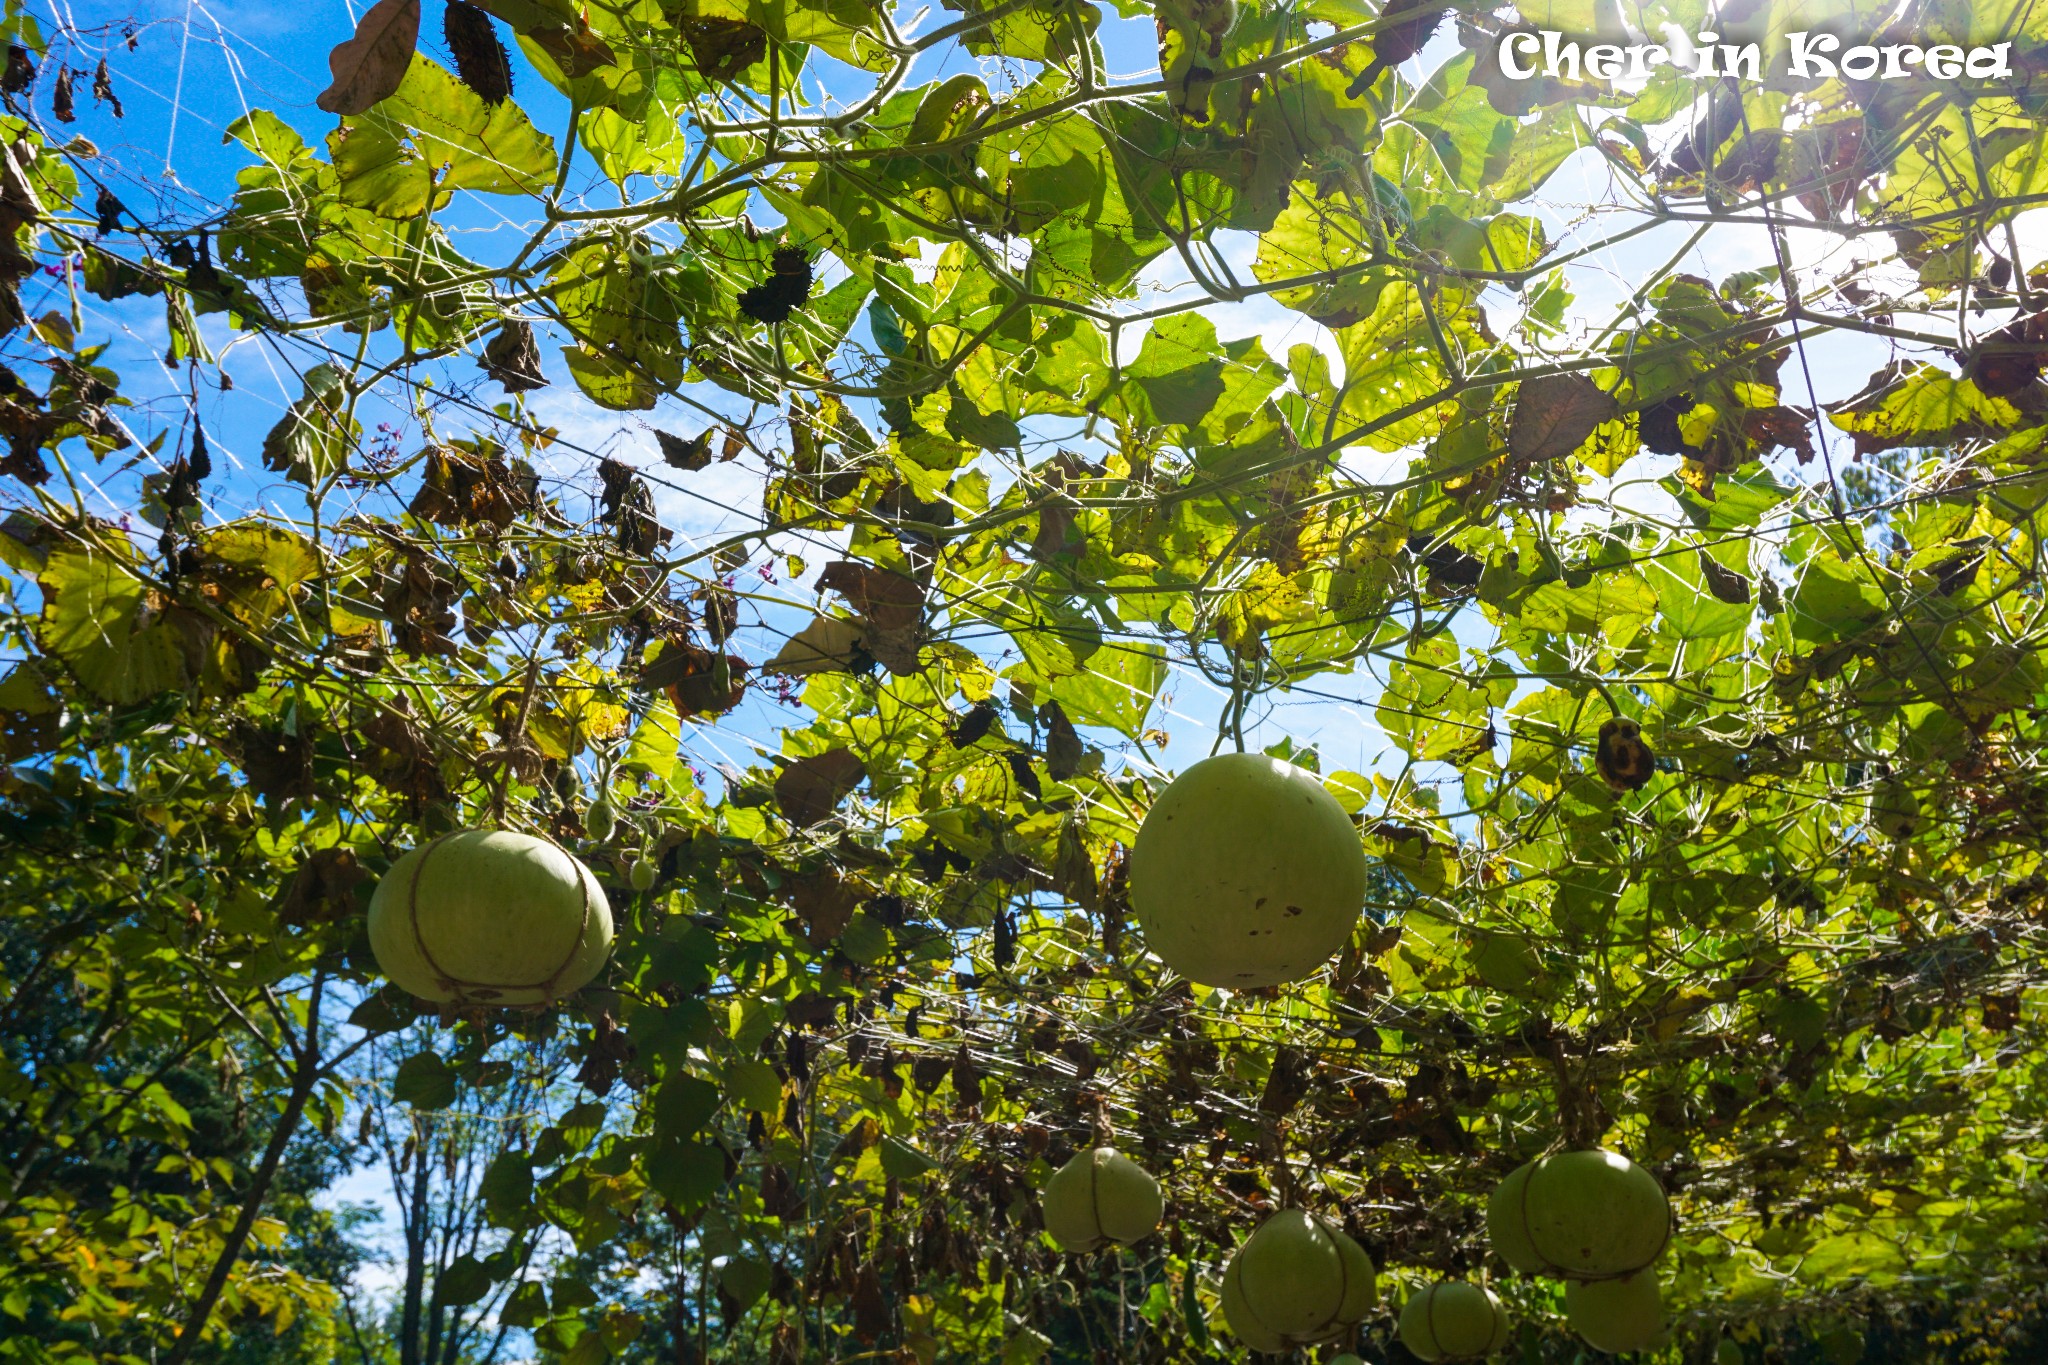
(517, 737)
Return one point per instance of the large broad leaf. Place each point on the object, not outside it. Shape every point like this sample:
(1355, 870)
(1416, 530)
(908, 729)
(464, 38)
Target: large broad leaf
(1117, 686)
(98, 620)
(433, 136)
(1920, 405)
(1179, 370)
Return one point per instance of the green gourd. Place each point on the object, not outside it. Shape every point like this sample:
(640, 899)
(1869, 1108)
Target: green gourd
(1246, 872)
(1101, 1196)
(1452, 1320)
(489, 917)
(1297, 1280)
(1620, 1315)
(1583, 1215)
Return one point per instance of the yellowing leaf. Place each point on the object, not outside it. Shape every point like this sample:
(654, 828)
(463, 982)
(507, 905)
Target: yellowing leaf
(432, 136)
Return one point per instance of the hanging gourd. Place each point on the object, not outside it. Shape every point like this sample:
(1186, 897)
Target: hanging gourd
(1298, 1280)
(1581, 1215)
(1452, 1320)
(1246, 872)
(1620, 1315)
(1101, 1196)
(488, 917)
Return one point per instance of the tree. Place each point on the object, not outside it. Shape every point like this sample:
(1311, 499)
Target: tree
(1706, 822)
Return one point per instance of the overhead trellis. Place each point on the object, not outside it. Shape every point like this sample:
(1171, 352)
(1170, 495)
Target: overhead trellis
(1638, 535)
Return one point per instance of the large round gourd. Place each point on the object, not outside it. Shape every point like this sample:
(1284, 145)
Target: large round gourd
(1616, 1315)
(1453, 1320)
(488, 917)
(1101, 1196)
(1246, 872)
(1582, 1215)
(1297, 1281)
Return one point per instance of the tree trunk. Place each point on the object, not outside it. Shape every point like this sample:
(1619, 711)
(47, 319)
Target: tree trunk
(305, 1076)
(415, 1252)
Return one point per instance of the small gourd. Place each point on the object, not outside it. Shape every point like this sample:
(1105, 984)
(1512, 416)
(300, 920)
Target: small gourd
(1452, 1320)
(1297, 1280)
(1625, 1314)
(1101, 1196)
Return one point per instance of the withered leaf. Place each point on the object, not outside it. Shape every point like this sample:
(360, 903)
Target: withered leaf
(929, 1072)
(461, 489)
(723, 47)
(1555, 414)
(882, 596)
(322, 890)
(1286, 1085)
(279, 766)
(1064, 750)
(891, 608)
(809, 789)
(512, 357)
(690, 455)
(1073, 871)
(21, 70)
(2001, 1011)
(369, 67)
(787, 288)
(825, 901)
(972, 726)
(1723, 582)
(825, 645)
(699, 681)
(1024, 773)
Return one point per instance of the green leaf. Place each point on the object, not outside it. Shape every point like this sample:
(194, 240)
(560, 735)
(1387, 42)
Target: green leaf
(1179, 370)
(432, 137)
(686, 1174)
(901, 1161)
(464, 1282)
(752, 1084)
(683, 1105)
(1116, 687)
(507, 1189)
(424, 1081)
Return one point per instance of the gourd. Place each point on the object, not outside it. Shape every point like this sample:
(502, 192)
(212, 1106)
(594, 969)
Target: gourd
(1246, 872)
(1296, 1281)
(1625, 1314)
(489, 917)
(1582, 1215)
(1101, 1196)
(1452, 1320)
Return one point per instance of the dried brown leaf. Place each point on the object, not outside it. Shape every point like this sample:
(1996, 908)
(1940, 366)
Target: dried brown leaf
(810, 788)
(1555, 414)
(368, 67)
